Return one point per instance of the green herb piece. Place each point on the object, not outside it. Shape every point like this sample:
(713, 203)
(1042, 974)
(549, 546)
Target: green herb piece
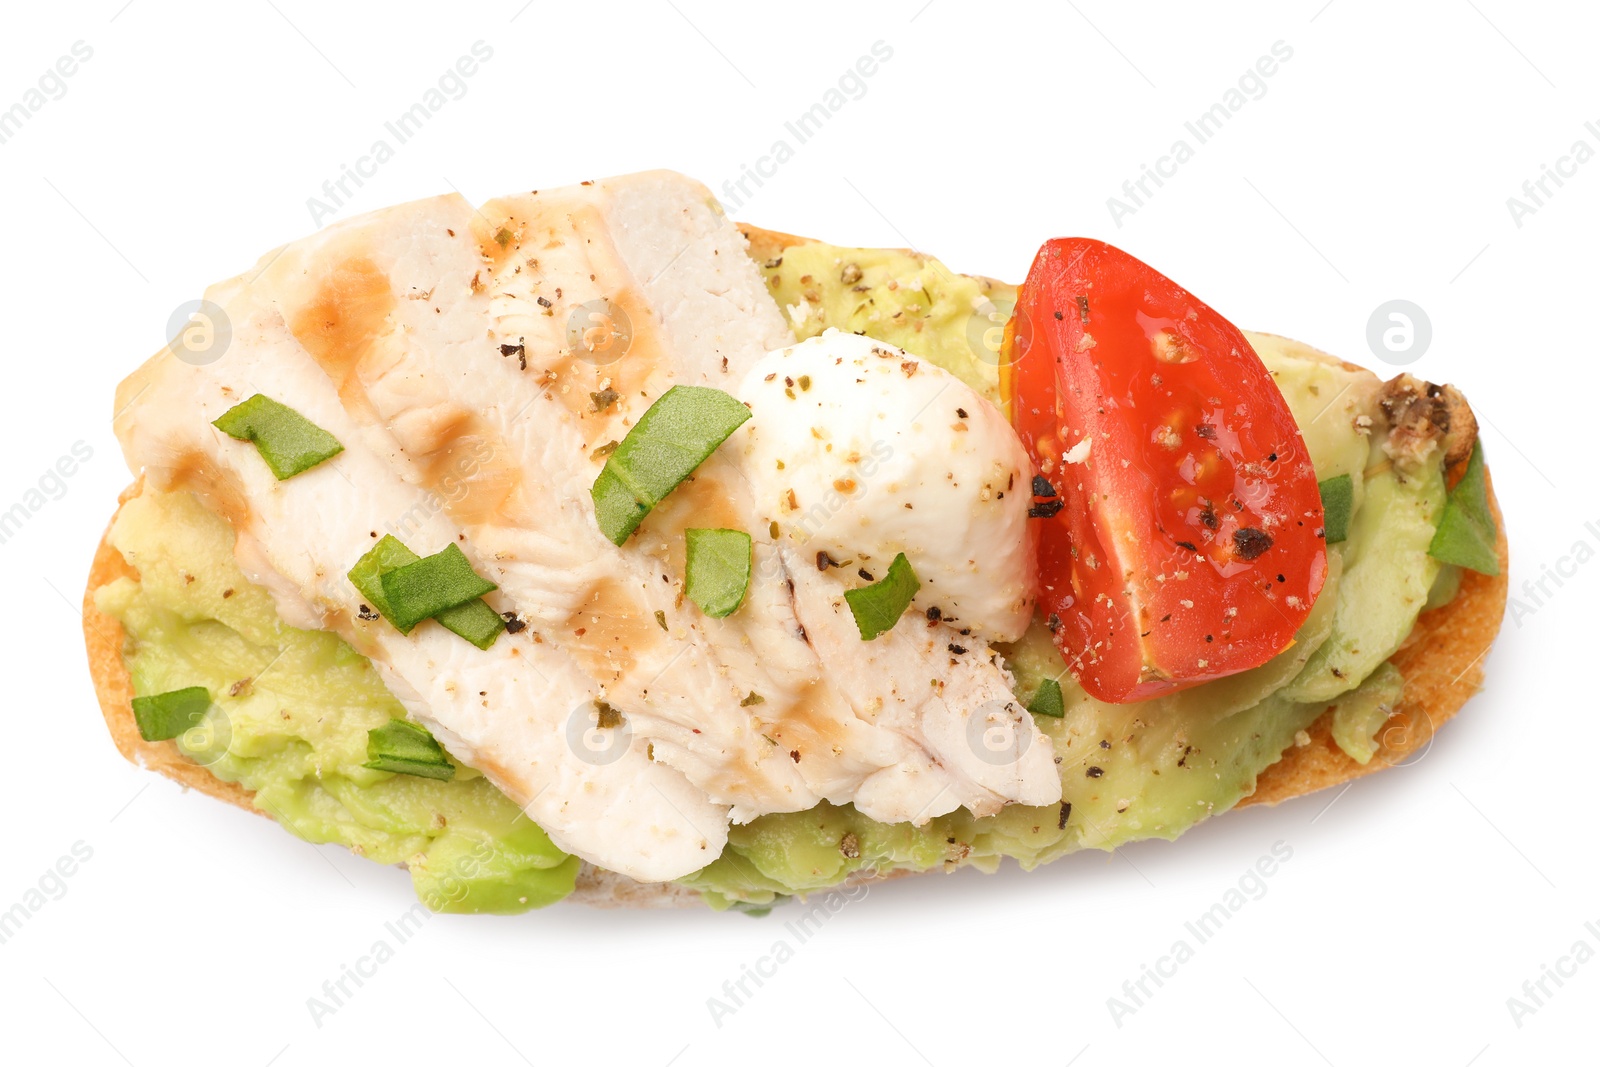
(718, 570)
(1338, 501)
(474, 620)
(670, 440)
(367, 575)
(288, 441)
(1048, 700)
(406, 748)
(423, 589)
(163, 716)
(1467, 533)
(877, 607)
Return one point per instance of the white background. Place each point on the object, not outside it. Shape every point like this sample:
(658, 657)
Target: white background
(1376, 166)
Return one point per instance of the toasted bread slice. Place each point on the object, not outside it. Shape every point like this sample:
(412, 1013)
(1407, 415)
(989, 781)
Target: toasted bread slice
(1442, 663)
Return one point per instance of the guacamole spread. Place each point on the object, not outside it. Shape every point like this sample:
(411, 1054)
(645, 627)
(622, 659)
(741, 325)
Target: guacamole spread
(292, 708)
(289, 719)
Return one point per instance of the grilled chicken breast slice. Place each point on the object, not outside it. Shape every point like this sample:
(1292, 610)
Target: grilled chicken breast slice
(481, 358)
(507, 711)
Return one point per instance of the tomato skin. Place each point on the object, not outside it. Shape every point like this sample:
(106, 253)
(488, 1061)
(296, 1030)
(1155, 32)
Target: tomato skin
(1188, 543)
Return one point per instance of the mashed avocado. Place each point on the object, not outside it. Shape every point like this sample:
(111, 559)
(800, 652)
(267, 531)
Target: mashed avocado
(293, 707)
(289, 720)
(1131, 771)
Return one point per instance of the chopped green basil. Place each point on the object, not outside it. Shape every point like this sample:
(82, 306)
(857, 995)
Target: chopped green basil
(1338, 501)
(163, 716)
(423, 589)
(474, 620)
(1048, 700)
(718, 569)
(877, 607)
(671, 439)
(288, 441)
(367, 575)
(406, 748)
(1467, 533)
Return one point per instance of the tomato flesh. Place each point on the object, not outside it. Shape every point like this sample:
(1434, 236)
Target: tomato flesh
(1180, 523)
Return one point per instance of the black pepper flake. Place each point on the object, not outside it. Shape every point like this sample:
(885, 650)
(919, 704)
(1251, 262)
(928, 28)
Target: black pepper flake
(824, 561)
(1208, 517)
(1042, 486)
(1188, 545)
(1046, 509)
(1094, 772)
(1250, 543)
(956, 650)
(865, 575)
(514, 625)
(516, 350)
(1104, 743)
(1060, 317)
(1207, 432)
(543, 302)
(1281, 579)
(1066, 813)
(961, 413)
(1273, 458)
(934, 614)
(1208, 639)
(1053, 622)
(365, 614)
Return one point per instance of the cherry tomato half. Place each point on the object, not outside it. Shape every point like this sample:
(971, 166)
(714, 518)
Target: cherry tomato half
(1180, 523)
